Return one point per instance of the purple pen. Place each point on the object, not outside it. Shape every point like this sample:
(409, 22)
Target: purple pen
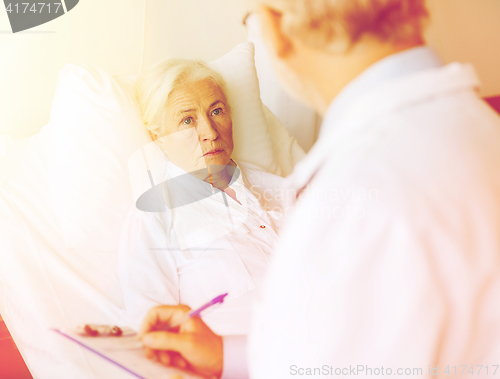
(217, 300)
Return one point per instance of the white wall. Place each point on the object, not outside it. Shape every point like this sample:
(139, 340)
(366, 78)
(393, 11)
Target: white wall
(103, 33)
(193, 29)
(469, 31)
(107, 34)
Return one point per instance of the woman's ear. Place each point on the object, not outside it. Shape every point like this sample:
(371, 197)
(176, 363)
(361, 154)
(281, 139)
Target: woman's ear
(270, 21)
(153, 135)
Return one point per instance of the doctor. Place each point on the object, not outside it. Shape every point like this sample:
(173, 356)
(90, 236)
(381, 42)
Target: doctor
(391, 263)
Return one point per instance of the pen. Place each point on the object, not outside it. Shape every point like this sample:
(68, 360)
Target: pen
(217, 300)
(196, 312)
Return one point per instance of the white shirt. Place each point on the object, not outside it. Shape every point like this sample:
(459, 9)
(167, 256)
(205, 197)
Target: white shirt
(195, 252)
(392, 256)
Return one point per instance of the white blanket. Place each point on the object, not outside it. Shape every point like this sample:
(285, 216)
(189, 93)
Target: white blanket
(42, 283)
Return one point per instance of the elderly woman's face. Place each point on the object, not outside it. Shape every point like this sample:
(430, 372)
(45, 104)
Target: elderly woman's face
(198, 127)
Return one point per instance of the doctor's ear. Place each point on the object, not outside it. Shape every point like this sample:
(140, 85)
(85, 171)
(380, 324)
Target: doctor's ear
(270, 20)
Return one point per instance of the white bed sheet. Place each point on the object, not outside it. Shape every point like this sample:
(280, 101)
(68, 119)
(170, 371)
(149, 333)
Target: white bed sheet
(42, 283)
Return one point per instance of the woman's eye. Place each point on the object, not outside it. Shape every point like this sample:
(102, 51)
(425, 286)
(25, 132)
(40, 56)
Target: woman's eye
(188, 121)
(216, 112)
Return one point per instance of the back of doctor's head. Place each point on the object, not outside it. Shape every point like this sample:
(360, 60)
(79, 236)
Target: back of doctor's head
(154, 86)
(337, 25)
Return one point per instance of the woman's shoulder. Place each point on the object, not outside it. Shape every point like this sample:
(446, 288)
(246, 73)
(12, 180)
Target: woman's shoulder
(257, 175)
(269, 189)
(248, 168)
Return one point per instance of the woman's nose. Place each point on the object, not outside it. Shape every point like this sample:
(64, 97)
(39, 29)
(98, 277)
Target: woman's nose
(207, 130)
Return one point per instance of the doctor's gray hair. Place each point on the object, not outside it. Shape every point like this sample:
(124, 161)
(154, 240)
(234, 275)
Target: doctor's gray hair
(337, 25)
(153, 87)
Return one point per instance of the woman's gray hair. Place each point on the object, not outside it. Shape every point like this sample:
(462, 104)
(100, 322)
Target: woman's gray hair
(153, 87)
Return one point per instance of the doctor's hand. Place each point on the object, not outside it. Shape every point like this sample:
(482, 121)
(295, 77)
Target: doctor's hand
(192, 346)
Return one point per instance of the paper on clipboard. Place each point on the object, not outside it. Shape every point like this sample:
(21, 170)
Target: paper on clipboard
(125, 352)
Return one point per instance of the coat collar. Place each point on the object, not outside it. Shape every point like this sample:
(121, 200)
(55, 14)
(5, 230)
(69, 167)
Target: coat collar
(393, 67)
(351, 126)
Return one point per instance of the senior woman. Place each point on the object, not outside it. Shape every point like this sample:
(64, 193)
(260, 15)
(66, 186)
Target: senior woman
(201, 246)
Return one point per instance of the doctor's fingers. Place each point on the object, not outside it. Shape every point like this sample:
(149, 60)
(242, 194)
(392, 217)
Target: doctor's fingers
(150, 354)
(162, 317)
(166, 358)
(169, 358)
(182, 343)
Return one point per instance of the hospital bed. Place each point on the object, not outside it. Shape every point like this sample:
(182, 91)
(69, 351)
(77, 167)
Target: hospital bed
(65, 192)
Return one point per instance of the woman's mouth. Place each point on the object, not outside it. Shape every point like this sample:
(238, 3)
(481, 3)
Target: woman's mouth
(213, 153)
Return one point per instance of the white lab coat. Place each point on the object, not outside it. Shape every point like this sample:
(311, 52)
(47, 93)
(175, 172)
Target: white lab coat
(392, 257)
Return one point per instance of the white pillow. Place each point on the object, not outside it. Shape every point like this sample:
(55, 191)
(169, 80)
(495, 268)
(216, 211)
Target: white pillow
(287, 151)
(252, 141)
(96, 127)
(5, 144)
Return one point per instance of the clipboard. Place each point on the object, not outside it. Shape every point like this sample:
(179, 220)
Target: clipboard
(126, 353)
